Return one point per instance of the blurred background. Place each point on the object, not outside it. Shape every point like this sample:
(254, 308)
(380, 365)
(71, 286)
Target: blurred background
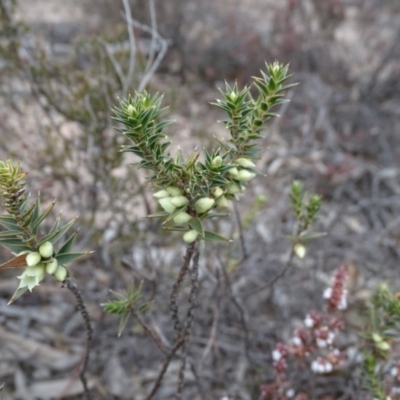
(63, 66)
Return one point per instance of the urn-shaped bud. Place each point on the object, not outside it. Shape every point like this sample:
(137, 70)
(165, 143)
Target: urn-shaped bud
(166, 204)
(51, 267)
(37, 270)
(61, 273)
(233, 172)
(384, 346)
(203, 205)
(216, 162)
(130, 109)
(234, 188)
(300, 250)
(377, 338)
(33, 258)
(190, 236)
(182, 218)
(179, 201)
(174, 191)
(161, 194)
(217, 191)
(245, 163)
(46, 249)
(223, 202)
(244, 175)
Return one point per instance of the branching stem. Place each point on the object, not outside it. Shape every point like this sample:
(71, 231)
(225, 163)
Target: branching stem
(194, 278)
(182, 335)
(72, 287)
(176, 289)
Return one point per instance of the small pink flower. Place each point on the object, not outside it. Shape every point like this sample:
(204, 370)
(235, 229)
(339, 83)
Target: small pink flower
(324, 337)
(280, 351)
(336, 324)
(296, 341)
(280, 366)
(312, 319)
(335, 357)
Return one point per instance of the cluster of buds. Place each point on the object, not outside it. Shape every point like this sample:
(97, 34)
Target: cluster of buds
(313, 344)
(181, 208)
(38, 263)
(189, 189)
(241, 172)
(238, 174)
(173, 201)
(172, 198)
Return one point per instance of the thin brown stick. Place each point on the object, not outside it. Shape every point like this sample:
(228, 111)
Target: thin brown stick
(164, 367)
(81, 306)
(241, 236)
(180, 335)
(150, 332)
(241, 314)
(176, 289)
(276, 278)
(194, 277)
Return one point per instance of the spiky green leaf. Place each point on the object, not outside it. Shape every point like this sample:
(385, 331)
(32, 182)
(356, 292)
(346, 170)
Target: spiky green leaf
(15, 245)
(5, 234)
(69, 257)
(66, 247)
(18, 293)
(197, 225)
(214, 237)
(40, 218)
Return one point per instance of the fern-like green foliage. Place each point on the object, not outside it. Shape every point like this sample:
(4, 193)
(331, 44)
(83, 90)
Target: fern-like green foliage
(126, 304)
(21, 233)
(188, 189)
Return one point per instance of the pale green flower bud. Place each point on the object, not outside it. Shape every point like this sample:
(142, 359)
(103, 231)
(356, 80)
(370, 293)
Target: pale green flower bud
(179, 201)
(46, 250)
(130, 109)
(234, 188)
(33, 258)
(217, 191)
(300, 250)
(245, 163)
(182, 218)
(377, 338)
(37, 270)
(161, 194)
(233, 172)
(190, 236)
(51, 266)
(223, 202)
(384, 346)
(61, 273)
(166, 204)
(245, 175)
(174, 191)
(216, 162)
(203, 205)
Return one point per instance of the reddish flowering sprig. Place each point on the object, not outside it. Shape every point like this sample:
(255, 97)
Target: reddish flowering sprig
(336, 295)
(393, 382)
(312, 345)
